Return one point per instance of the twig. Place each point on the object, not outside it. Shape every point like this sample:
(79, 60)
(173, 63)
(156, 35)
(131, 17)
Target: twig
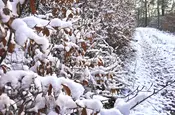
(153, 106)
(155, 92)
(137, 92)
(5, 54)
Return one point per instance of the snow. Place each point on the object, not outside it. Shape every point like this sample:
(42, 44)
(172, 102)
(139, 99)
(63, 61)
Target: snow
(32, 21)
(139, 97)
(65, 103)
(15, 76)
(4, 18)
(152, 47)
(52, 113)
(6, 102)
(23, 32)
(122, 106)
(56, 22)
(76, 89)
(155, 54)
(39, 103)
(94, 104)
(112, 111)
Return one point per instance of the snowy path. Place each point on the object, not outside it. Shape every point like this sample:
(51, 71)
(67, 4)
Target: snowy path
(155, 64)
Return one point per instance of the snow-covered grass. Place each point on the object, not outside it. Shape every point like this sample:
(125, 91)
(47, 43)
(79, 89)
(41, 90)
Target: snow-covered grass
(154, 66)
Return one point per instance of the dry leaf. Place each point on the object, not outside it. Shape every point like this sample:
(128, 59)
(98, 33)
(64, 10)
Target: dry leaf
(50, 89)
(4, 41)
(70, 15)
(43, 110)
(66, 88)
(6, 11)
(84, 112)
(2, 52)
(21, 108)
(100, 62)
(4, 68)
(5, 2)
(85, 82)
(38, 29)
(43, 2)
(90, 39)
(77, 1)
(32, 6)
(11, 48)
(66, 31)
(46, 32)
(70, 33)
(84, 46)
(57, 109)
(64, 11)
(54, 11)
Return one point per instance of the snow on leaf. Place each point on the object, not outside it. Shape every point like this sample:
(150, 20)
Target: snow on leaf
(111, 111)
(92, 104)
(122, 106)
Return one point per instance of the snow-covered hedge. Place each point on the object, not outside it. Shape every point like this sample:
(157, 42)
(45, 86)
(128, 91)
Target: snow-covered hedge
(52, 64)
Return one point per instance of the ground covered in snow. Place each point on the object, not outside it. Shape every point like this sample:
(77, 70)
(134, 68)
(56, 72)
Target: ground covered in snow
(152, 67)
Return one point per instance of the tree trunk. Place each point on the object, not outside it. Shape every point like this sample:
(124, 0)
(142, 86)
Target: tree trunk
(163, 7)
(146, 12)
(158, 14)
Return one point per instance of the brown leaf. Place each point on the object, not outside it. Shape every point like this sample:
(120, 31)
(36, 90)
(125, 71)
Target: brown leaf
(4, 68)
(64, 11)
(85, 82)
(18, 7)
(43, 110)
(90, 39)
(96, 113)
(4, 41)
(38, 29)
(5, 2)
(98, 81)
(84, 112)
(77, 1)
(32, 6)
(21, 108)
(66, 31)
(54, 11)
(11, 47)
(50, 89)
(100, 62)
(57, 109)
(46, 32)
(2, 36)
(70, 33)
(6, 11)
(84, 46)
(10, 22)
(2, 52)
(66, 88)
(70, 15)
(43, 2)
(114, 91)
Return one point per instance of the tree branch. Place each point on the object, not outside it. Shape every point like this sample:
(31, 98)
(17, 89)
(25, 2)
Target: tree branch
(155, 92)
